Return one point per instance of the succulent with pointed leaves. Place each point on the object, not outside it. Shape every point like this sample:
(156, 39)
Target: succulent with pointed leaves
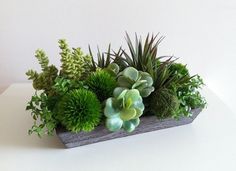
(134, 79)
(124, 109)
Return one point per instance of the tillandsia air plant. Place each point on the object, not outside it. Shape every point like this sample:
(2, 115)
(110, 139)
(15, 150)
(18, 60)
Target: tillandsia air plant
(112, 88)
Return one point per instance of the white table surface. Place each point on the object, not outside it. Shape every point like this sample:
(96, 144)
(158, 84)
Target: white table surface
(208, 144)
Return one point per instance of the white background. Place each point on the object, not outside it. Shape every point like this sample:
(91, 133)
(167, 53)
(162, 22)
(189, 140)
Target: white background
(202, 33)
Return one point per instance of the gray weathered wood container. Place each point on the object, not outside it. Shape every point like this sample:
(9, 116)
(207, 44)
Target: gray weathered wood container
(100, 133)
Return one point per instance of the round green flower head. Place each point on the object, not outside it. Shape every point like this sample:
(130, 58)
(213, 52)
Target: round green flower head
(102, 84)
(79, 110)
(134, 79)
(123, 110)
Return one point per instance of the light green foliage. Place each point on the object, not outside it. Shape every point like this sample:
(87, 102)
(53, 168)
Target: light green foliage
(40, 106)
(63, 85)
(123, 110)
(164, 103)
(79, 110)
(45, 79)
(133, 79)
(75, 64)
(42, 58)
(189, 96)
(102, 84)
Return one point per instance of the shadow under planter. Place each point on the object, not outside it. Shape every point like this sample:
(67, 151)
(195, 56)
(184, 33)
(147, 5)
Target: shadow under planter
(100, 133)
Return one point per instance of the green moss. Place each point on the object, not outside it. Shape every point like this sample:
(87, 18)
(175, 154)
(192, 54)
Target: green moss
(164, 103)
(102, 84)
(79, 110)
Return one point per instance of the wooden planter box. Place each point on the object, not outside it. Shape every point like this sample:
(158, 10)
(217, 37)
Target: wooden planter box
(100, 133)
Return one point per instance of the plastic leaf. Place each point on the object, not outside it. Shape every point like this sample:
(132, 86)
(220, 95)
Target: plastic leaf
(114, 124)
(127, 114)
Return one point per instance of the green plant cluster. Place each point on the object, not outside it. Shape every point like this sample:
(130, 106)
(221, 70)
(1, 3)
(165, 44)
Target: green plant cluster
(115, 88)
(126, 106)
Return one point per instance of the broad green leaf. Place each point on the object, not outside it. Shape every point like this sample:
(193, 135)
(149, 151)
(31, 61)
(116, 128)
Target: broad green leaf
(109, 111)
(135, 121)
(133, 94)
(117, 91)
(131, 73)
(114, 124)
(146, 91)
(127, 114)
(128, 126)
(124, 82)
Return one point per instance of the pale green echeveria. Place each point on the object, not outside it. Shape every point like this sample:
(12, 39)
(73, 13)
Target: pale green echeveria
(113, 69)
(133, 79)
(124, 109)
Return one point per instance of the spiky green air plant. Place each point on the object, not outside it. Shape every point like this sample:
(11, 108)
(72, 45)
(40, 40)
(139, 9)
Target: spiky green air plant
(79, 110)
(102, 84)
(142, 57)
(45, 79)
(103, 59)
(123, 110)
(132, 79)
(75, 64)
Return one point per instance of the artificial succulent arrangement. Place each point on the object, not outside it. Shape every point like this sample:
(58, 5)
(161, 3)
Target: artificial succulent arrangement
(113, 88)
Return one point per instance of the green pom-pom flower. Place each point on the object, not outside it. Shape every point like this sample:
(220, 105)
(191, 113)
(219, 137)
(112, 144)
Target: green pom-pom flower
(134, 79)
(123, 110)
(102, 84)
(79, 110)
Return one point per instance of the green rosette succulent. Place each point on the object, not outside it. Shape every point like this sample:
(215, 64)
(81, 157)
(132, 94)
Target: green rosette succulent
(124, 109)
(134, 79)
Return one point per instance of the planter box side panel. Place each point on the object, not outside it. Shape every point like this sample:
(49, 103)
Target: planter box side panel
(100, 133)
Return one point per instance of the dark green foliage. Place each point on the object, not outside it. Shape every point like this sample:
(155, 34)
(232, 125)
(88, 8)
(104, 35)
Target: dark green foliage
(103, 59)
(102, 84)
(179, 69)
(142, 57)
(79, 110)
(45, 79)
(72, 96)
(164, 103)
(41, 110)
(175, 78)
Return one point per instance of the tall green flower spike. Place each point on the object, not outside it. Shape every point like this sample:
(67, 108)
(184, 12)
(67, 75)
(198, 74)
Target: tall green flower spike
(124, 109)
(134, 79)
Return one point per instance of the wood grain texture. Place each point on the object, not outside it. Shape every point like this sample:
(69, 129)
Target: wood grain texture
(100, 133)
